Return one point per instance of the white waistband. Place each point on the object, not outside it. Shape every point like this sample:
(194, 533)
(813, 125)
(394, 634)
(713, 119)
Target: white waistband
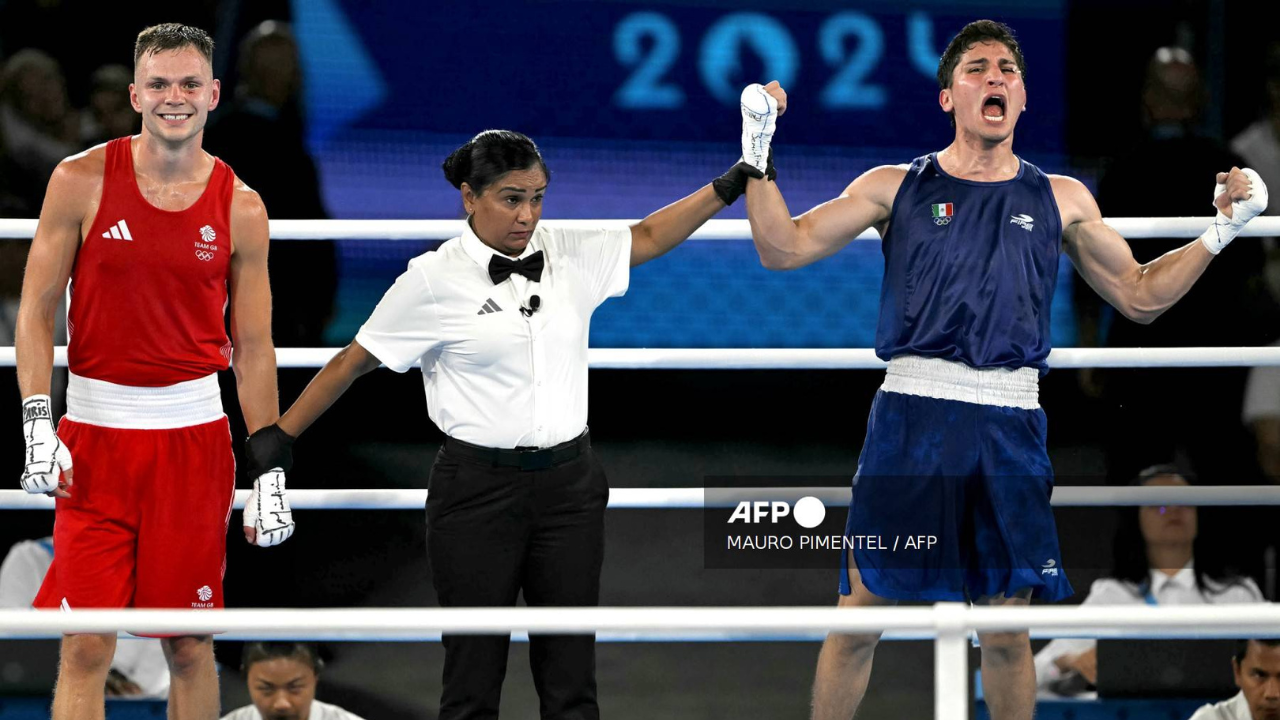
(950, 380)
(98, 402)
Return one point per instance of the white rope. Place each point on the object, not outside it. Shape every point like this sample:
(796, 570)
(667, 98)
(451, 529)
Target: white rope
(1133, 228)
(411, 624)
(1107, 496)
(856, 359)
(949, 623)
(819, 359)
(694, 498)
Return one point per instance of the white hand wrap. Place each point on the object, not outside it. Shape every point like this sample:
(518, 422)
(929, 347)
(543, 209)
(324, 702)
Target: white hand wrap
(759, 117)
(47, 457)
(1224, 229)
(267, 510)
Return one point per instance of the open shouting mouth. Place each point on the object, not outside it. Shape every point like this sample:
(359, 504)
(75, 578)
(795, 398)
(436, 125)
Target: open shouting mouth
(993, 108)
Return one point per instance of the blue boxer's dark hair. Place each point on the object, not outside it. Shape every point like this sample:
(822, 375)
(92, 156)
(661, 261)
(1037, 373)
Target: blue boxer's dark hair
(972, 34)
(490, 155)
(305, 653)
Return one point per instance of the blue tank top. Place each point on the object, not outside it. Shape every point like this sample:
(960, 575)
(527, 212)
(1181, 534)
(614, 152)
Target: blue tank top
(970, 268)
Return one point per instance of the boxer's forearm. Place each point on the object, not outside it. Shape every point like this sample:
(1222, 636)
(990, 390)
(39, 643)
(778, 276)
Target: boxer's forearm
(774, 231)
(34, 350)
(326, 387)
(254, 364)
(1166, 279)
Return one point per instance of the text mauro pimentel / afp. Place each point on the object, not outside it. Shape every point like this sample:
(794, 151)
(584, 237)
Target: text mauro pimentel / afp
(895, 543)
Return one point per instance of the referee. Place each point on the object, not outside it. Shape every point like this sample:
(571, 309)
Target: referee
(498, 319)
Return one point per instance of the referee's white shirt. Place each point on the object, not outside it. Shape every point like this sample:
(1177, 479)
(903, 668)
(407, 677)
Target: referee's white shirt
(493, 376)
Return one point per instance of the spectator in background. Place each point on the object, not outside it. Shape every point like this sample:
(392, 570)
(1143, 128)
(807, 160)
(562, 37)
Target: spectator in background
(109, 114)
(1257, 669)
(13, 253)
(282, 679)
(1160, 559)
(1259, 145)
(30, 87)
(36, 121)
(23, 570)
(1163, 176)
(1262, 416)
(11, 202)
(262, 137)
(138, 668)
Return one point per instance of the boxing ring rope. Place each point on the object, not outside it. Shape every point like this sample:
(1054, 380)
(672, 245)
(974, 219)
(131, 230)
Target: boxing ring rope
(1132, 228)
(948, 624)
(694, 498)
(820, 358)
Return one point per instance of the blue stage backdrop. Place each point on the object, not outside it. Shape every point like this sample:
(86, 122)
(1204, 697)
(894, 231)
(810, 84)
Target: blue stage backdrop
(634, 105)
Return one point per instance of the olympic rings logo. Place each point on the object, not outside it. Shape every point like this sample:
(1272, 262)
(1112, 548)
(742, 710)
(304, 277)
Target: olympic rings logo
(204, 255)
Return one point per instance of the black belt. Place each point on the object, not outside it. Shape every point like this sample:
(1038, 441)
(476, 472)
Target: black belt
(522, 458)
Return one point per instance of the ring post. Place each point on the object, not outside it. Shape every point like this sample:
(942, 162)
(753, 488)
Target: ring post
(951, 662)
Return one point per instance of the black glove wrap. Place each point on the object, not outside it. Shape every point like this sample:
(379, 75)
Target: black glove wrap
(267, 449)
(731, 185)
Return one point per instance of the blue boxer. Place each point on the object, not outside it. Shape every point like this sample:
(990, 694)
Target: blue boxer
(955, 446)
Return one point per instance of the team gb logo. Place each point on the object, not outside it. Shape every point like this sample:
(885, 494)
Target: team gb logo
(206, 249)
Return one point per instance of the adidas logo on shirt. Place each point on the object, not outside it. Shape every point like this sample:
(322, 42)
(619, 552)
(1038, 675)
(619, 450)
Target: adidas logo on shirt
(119, 231)
(489, 307)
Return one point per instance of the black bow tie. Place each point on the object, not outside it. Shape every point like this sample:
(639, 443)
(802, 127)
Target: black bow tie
(500, 268)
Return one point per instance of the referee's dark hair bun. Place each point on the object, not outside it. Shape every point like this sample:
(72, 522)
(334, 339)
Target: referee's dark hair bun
(458, 165)
(490, 155)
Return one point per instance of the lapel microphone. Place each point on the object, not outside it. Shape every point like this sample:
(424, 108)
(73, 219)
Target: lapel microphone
(535, 302)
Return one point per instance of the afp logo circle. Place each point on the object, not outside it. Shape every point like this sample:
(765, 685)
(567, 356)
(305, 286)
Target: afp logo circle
(808, 512)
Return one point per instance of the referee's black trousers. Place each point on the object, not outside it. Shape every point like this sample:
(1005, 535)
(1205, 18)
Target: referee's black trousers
(495, 531)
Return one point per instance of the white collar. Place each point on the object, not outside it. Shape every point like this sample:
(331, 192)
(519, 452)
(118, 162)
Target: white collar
(478, 251)
(1186, 577)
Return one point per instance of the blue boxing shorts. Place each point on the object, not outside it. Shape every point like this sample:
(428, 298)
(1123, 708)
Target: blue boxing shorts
(951, 498)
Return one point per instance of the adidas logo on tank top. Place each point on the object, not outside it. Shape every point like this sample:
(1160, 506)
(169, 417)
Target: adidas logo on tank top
(119, 231)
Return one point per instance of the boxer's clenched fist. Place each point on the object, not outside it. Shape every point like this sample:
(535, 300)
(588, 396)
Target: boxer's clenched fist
(761, 105)
(1239, 196)
(48, 461)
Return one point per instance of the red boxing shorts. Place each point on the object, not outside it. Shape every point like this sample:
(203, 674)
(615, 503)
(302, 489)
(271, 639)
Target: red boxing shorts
(146, 523)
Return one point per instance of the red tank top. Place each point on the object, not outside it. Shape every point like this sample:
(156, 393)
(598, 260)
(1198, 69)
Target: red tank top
(149, 286)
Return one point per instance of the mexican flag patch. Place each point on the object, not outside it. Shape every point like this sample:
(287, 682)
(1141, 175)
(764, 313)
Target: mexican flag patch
(942, 213)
